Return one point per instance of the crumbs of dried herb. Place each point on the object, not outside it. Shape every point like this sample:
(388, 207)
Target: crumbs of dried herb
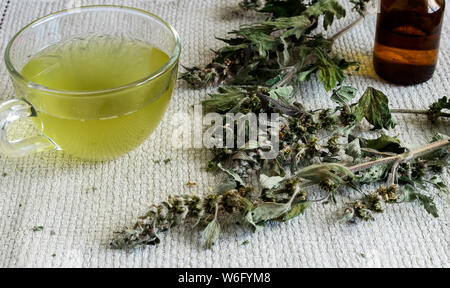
(91, 189)
(165, 161)
(191, 184)
(37, 228)
(266, 57)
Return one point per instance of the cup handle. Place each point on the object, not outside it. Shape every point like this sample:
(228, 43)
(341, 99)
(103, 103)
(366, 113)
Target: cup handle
(14, 110)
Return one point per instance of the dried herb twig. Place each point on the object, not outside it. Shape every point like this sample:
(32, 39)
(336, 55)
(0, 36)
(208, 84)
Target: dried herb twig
(278, 197)
(434, 113)
(239, 203)
(286, 43)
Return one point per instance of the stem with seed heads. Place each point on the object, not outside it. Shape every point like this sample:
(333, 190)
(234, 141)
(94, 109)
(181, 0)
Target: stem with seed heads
(417, 112)
(401, 157)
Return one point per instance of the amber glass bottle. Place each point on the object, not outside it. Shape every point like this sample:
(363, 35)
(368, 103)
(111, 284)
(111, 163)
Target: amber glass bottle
(407, 40)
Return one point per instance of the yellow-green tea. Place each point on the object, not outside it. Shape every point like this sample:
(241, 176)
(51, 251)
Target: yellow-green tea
(109, 123)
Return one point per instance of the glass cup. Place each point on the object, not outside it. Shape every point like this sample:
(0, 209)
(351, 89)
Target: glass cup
(92, 125)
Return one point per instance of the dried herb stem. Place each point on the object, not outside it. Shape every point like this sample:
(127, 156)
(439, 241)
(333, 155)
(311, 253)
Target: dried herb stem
(288, 77)
(346, 29)
(407, 155)
(352, 25)
(417, 112)
(375, 152)
(397, 159)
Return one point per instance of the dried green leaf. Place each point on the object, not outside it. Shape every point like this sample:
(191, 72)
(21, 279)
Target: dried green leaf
(296, 210)
(263, 42)
(439, 185)
(409, 194)
(235, 176)
(232, 48)
(436, 108)
(344, 95)
(439, 137)
(384, 143)
(224, 101)
(323, 172)
(329, 72)
(224, 186)
(441, 155)
(305, 74)
(270, 182)
(330, 75)
(374, 174)
(273, 168)
(269, 211)
(212, 233)
(427, 203)
(374, 106)
(283, 94)
(353, 149)
(284, 8)
(248, 218)
(331, 9)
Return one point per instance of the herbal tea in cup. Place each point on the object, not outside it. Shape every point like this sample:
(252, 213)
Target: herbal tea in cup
(99, 64)
(99, 90)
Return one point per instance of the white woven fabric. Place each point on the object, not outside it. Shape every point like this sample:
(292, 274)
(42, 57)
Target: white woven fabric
(50, 189)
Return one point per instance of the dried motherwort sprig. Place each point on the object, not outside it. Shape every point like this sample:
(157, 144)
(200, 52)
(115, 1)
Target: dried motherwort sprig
(257, 191)
(286, 45)
(180, 210)
(434, 112)
(317, 147)
(280, 199)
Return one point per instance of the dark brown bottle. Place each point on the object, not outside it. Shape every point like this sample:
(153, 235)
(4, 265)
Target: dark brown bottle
(407, 40)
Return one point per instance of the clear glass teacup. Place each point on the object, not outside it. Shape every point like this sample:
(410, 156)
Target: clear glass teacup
(96, 80)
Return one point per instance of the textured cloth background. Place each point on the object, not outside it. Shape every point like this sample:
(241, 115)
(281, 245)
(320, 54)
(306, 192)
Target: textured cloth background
(54, 190)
